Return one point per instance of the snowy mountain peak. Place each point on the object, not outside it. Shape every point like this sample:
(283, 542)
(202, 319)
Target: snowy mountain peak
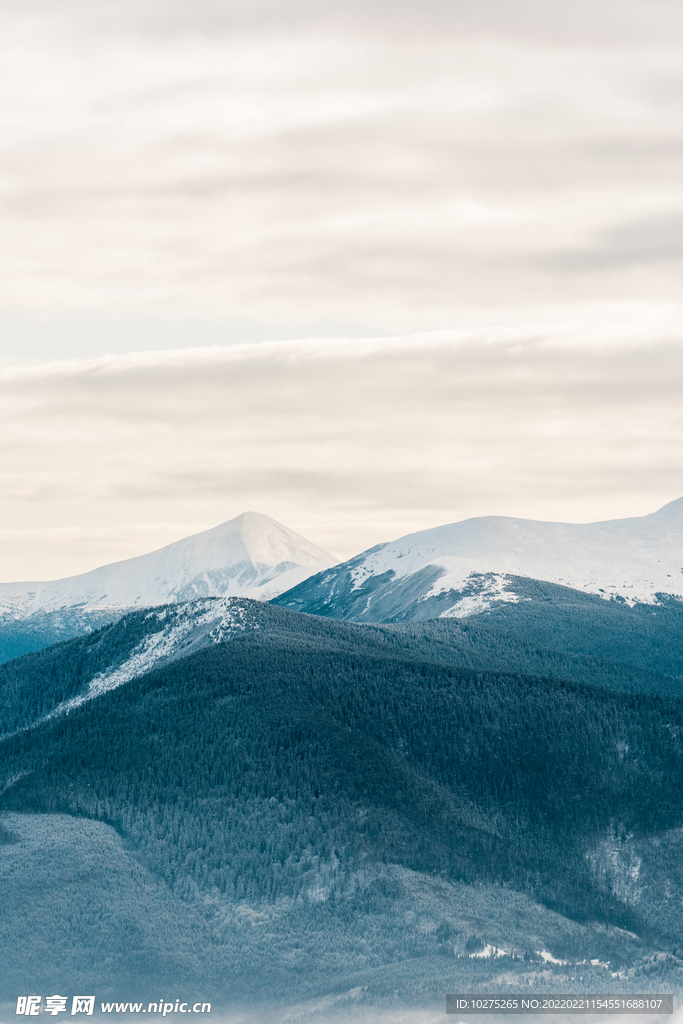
(672, 510)
(254, 537)
(464, 567)
(250, 555)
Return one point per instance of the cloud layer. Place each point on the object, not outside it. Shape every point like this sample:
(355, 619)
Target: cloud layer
(349, 442)
(494, 189)
(379, 164)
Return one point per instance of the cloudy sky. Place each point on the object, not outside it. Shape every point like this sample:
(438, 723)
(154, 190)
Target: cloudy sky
(364, 267)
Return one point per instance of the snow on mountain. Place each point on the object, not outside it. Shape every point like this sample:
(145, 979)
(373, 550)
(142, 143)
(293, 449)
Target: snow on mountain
(251, 555)
(175, 631)
(466, 567)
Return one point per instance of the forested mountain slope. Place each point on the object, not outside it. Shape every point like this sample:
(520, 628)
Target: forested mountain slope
(558, 633)
(297, 773)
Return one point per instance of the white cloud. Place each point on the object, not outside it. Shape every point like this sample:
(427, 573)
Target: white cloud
(299, 163)
(352, 443)
(502, 182)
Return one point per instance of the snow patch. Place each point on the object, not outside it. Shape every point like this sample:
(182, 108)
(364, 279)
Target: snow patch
(489, 951)
(487, 591)
(548, 958)
(196, 624)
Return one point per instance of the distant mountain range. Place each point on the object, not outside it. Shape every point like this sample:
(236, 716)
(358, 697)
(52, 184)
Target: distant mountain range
(459, 570)
(465, 568)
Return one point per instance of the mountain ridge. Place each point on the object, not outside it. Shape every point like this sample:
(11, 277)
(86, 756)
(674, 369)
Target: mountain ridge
(459, 569)
(464, 568)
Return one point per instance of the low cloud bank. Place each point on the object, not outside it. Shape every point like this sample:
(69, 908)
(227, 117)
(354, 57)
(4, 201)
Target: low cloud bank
(352, 443)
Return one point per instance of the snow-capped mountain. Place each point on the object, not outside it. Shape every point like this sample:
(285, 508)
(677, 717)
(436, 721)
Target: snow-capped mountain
(465, 567)
(251, 555)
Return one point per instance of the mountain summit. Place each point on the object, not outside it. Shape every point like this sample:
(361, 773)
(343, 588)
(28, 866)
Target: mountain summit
(251, 555)
(465, 567)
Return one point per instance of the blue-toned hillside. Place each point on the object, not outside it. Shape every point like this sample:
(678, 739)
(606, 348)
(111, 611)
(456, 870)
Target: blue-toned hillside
(331, 798)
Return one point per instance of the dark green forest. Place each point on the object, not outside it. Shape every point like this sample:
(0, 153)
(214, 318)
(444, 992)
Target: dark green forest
(546, 629)
(647, 636)
(247, 766)
(32, 686)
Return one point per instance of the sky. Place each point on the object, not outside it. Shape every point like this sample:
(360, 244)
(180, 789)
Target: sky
(363, 267)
